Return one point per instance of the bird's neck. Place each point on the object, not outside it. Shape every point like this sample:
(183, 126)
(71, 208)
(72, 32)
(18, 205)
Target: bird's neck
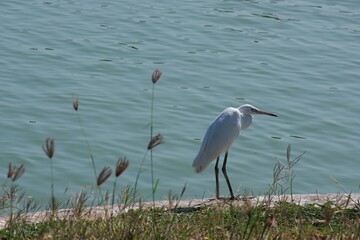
(246, 121)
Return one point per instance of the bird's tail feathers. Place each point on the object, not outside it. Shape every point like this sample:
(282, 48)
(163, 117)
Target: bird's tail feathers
(199, 165)
(198, 168)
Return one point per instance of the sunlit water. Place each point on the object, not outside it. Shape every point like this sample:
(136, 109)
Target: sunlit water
(298, 59)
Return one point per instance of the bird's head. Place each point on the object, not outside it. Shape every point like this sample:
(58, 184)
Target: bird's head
(248, 109)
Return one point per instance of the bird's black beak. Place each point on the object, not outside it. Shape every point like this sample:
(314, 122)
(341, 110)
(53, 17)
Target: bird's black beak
(265, 113)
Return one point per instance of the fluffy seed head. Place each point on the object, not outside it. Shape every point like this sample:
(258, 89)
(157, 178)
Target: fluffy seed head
(121, 166)
(49, 147)
(75, 102)
(156, 140)
(103, 175)
(156, 76)
(15, 173)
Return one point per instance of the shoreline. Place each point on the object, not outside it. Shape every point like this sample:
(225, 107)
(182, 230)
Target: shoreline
(344, 201)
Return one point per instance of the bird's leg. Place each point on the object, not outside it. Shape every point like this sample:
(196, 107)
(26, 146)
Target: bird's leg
(226, 177)
(217, 177)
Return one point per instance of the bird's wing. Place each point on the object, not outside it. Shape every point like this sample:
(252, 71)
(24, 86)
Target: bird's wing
(218, 138)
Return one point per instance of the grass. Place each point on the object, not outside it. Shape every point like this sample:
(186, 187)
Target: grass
(221, 220)
(122, 215)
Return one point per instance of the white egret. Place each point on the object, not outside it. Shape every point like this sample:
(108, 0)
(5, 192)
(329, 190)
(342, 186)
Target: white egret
(219, 137)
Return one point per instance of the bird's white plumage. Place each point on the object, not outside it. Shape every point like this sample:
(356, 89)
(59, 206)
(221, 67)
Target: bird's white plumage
(219, 137)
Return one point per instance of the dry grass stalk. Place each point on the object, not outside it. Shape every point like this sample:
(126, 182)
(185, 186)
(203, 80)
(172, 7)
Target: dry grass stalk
(76, 106)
